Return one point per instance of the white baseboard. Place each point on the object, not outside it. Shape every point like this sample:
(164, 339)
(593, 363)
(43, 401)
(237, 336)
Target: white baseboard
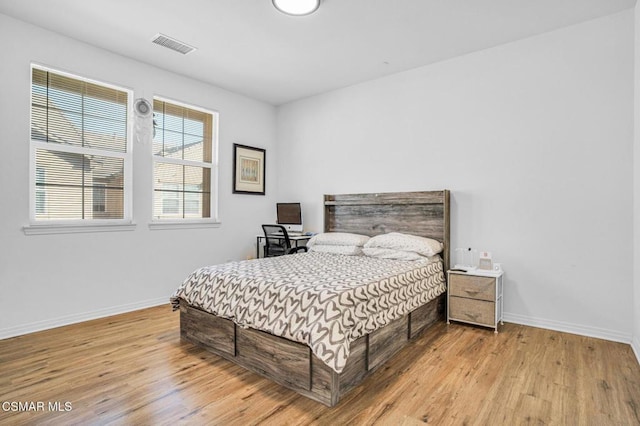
(635, 345)
(566, 327)
(76, 318)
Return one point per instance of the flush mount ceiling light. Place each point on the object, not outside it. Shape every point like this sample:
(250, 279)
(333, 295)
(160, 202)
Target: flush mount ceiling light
(297, 7)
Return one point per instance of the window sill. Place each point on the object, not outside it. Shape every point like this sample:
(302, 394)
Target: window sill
(57, 228)
(184, 224)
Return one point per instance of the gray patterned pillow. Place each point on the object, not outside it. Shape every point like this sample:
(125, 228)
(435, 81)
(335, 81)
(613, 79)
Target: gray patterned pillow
(346, 250)
(405, 242)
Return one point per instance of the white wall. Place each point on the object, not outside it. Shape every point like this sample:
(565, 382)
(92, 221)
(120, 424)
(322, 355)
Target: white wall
(533, 138)
(636, 193)
(50, 280)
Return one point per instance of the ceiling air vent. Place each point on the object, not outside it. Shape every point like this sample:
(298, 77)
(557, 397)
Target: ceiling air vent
(172, 43)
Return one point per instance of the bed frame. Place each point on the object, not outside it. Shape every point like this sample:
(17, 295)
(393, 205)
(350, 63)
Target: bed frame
(292, 364)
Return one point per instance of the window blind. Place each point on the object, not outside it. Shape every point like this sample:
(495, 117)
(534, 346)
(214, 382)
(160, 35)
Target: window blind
(79, 134)
(183, 161)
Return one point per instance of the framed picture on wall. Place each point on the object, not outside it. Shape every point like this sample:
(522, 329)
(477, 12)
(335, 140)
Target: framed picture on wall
(248, 169)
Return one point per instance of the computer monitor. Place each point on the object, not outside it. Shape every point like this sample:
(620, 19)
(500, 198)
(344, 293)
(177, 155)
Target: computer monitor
(290, 216)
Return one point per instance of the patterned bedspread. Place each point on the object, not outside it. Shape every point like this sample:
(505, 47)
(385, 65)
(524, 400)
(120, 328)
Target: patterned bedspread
(323, 300)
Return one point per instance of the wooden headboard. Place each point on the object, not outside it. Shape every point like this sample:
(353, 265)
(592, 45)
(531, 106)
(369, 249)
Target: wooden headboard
(424, 213)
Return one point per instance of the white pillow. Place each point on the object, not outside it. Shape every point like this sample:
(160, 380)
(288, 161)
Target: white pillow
(338, 239)
(405, 242)
(346, 250)
(383, 253)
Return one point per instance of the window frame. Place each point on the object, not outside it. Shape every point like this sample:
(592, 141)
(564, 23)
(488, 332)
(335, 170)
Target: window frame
(57, 226)
(190, 222)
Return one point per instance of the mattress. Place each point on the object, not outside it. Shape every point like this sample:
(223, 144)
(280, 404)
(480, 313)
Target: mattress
(323, 300)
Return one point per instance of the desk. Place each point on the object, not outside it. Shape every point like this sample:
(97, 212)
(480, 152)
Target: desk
(296, 241)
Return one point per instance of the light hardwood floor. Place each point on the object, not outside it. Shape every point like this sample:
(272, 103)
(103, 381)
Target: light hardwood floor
(133, 369)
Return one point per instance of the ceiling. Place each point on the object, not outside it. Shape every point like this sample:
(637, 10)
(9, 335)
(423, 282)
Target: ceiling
(248, 47)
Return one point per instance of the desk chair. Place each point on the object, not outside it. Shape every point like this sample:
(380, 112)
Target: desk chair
(277, 242)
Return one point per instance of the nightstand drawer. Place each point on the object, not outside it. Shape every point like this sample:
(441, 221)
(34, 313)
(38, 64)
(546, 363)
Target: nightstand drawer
(471, 286)
(470, 310)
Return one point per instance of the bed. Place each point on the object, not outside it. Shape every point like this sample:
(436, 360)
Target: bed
(316, 362)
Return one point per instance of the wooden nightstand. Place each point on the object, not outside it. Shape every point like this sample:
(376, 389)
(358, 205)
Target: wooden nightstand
(475, 297)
